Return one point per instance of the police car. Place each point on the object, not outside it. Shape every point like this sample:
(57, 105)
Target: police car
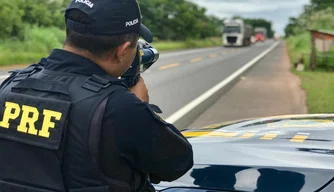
(274, 154)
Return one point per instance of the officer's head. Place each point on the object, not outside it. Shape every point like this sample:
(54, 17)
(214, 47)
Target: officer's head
(105, 31)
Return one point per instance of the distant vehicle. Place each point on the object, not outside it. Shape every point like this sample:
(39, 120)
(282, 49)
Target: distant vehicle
(253, 39)
(277, 36)
(281, 154)
(260, 34)
(237, 33)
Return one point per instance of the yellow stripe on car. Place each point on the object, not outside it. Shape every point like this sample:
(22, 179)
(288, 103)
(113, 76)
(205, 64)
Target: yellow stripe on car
(212, 134)
(300, 137)
(248, 135)
(269, 136)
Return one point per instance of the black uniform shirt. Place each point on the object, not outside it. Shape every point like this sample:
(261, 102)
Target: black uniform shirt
(135, 141)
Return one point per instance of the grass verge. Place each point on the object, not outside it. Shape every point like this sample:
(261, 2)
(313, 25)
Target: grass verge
(39, 42)
(319, 87)
(188, 44)
(319, 84)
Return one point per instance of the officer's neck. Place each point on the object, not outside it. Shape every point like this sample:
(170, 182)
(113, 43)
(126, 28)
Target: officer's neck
(102, 62)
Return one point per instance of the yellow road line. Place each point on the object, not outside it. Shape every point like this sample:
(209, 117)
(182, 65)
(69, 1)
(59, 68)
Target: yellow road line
(169, 66)
(197, 59)
(213, 55)
(247, 135)
(269, 136)
(299, 138)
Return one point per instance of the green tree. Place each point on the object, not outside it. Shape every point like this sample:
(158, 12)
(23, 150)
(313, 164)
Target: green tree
(45, 13)
(35, 13)
(10, 24)
(317, 15)
(289, 29)
(321, 4)
(168, 19)
(178, 19)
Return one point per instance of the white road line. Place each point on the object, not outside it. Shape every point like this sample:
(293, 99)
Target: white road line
(186, 109)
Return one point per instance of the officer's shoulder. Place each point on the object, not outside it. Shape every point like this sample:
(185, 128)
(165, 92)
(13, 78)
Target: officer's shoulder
(122, 100)
(128, 103)
(122, 95)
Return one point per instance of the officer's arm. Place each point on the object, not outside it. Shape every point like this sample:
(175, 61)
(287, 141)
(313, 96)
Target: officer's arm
(172, 154)
(154, 146)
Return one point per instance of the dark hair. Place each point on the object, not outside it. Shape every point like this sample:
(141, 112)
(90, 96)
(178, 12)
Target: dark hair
(97, 45)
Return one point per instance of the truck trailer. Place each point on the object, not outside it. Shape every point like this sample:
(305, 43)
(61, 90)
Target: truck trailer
(237, 33)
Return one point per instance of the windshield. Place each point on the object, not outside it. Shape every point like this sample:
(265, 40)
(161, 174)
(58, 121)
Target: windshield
(232, 29)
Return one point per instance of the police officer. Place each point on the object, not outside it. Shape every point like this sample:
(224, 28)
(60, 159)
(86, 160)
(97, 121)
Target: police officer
(69, 124)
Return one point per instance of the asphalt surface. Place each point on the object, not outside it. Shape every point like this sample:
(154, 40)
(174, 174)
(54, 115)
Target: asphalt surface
(181, 76)
(268, 89)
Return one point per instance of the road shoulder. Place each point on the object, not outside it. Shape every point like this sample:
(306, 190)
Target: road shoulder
(268, 89)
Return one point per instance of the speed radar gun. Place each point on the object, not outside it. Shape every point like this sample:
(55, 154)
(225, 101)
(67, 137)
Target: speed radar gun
(146, 56)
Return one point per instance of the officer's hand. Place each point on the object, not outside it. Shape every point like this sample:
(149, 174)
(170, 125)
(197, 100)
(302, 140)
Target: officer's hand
(140, 90)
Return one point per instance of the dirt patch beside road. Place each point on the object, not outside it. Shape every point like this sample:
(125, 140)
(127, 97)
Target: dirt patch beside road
(268, 89)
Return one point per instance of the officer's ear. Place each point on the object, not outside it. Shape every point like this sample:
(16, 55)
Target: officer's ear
(121, 51)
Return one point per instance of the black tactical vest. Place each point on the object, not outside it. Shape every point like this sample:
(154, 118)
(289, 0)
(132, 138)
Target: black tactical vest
(50, 131)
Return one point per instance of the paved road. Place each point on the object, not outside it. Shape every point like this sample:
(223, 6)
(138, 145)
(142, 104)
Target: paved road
(268, 89)
(181, 76)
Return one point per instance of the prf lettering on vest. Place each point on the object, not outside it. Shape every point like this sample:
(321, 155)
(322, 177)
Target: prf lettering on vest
(29, 116)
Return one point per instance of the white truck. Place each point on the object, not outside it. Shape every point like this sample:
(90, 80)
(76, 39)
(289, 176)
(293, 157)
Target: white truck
(237, 33)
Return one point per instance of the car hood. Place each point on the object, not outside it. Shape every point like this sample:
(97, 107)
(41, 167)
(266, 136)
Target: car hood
(276, 149)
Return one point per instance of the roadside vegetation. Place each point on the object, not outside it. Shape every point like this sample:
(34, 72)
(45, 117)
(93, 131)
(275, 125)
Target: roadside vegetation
(318, 84)
(320, 91)
(188, 44)
(39, 42)
(32, 32)
(29, 32)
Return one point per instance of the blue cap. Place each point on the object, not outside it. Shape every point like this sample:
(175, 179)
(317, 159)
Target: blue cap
(109, 17)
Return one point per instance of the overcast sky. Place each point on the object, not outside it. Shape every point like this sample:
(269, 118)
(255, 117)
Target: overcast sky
(277, 11)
